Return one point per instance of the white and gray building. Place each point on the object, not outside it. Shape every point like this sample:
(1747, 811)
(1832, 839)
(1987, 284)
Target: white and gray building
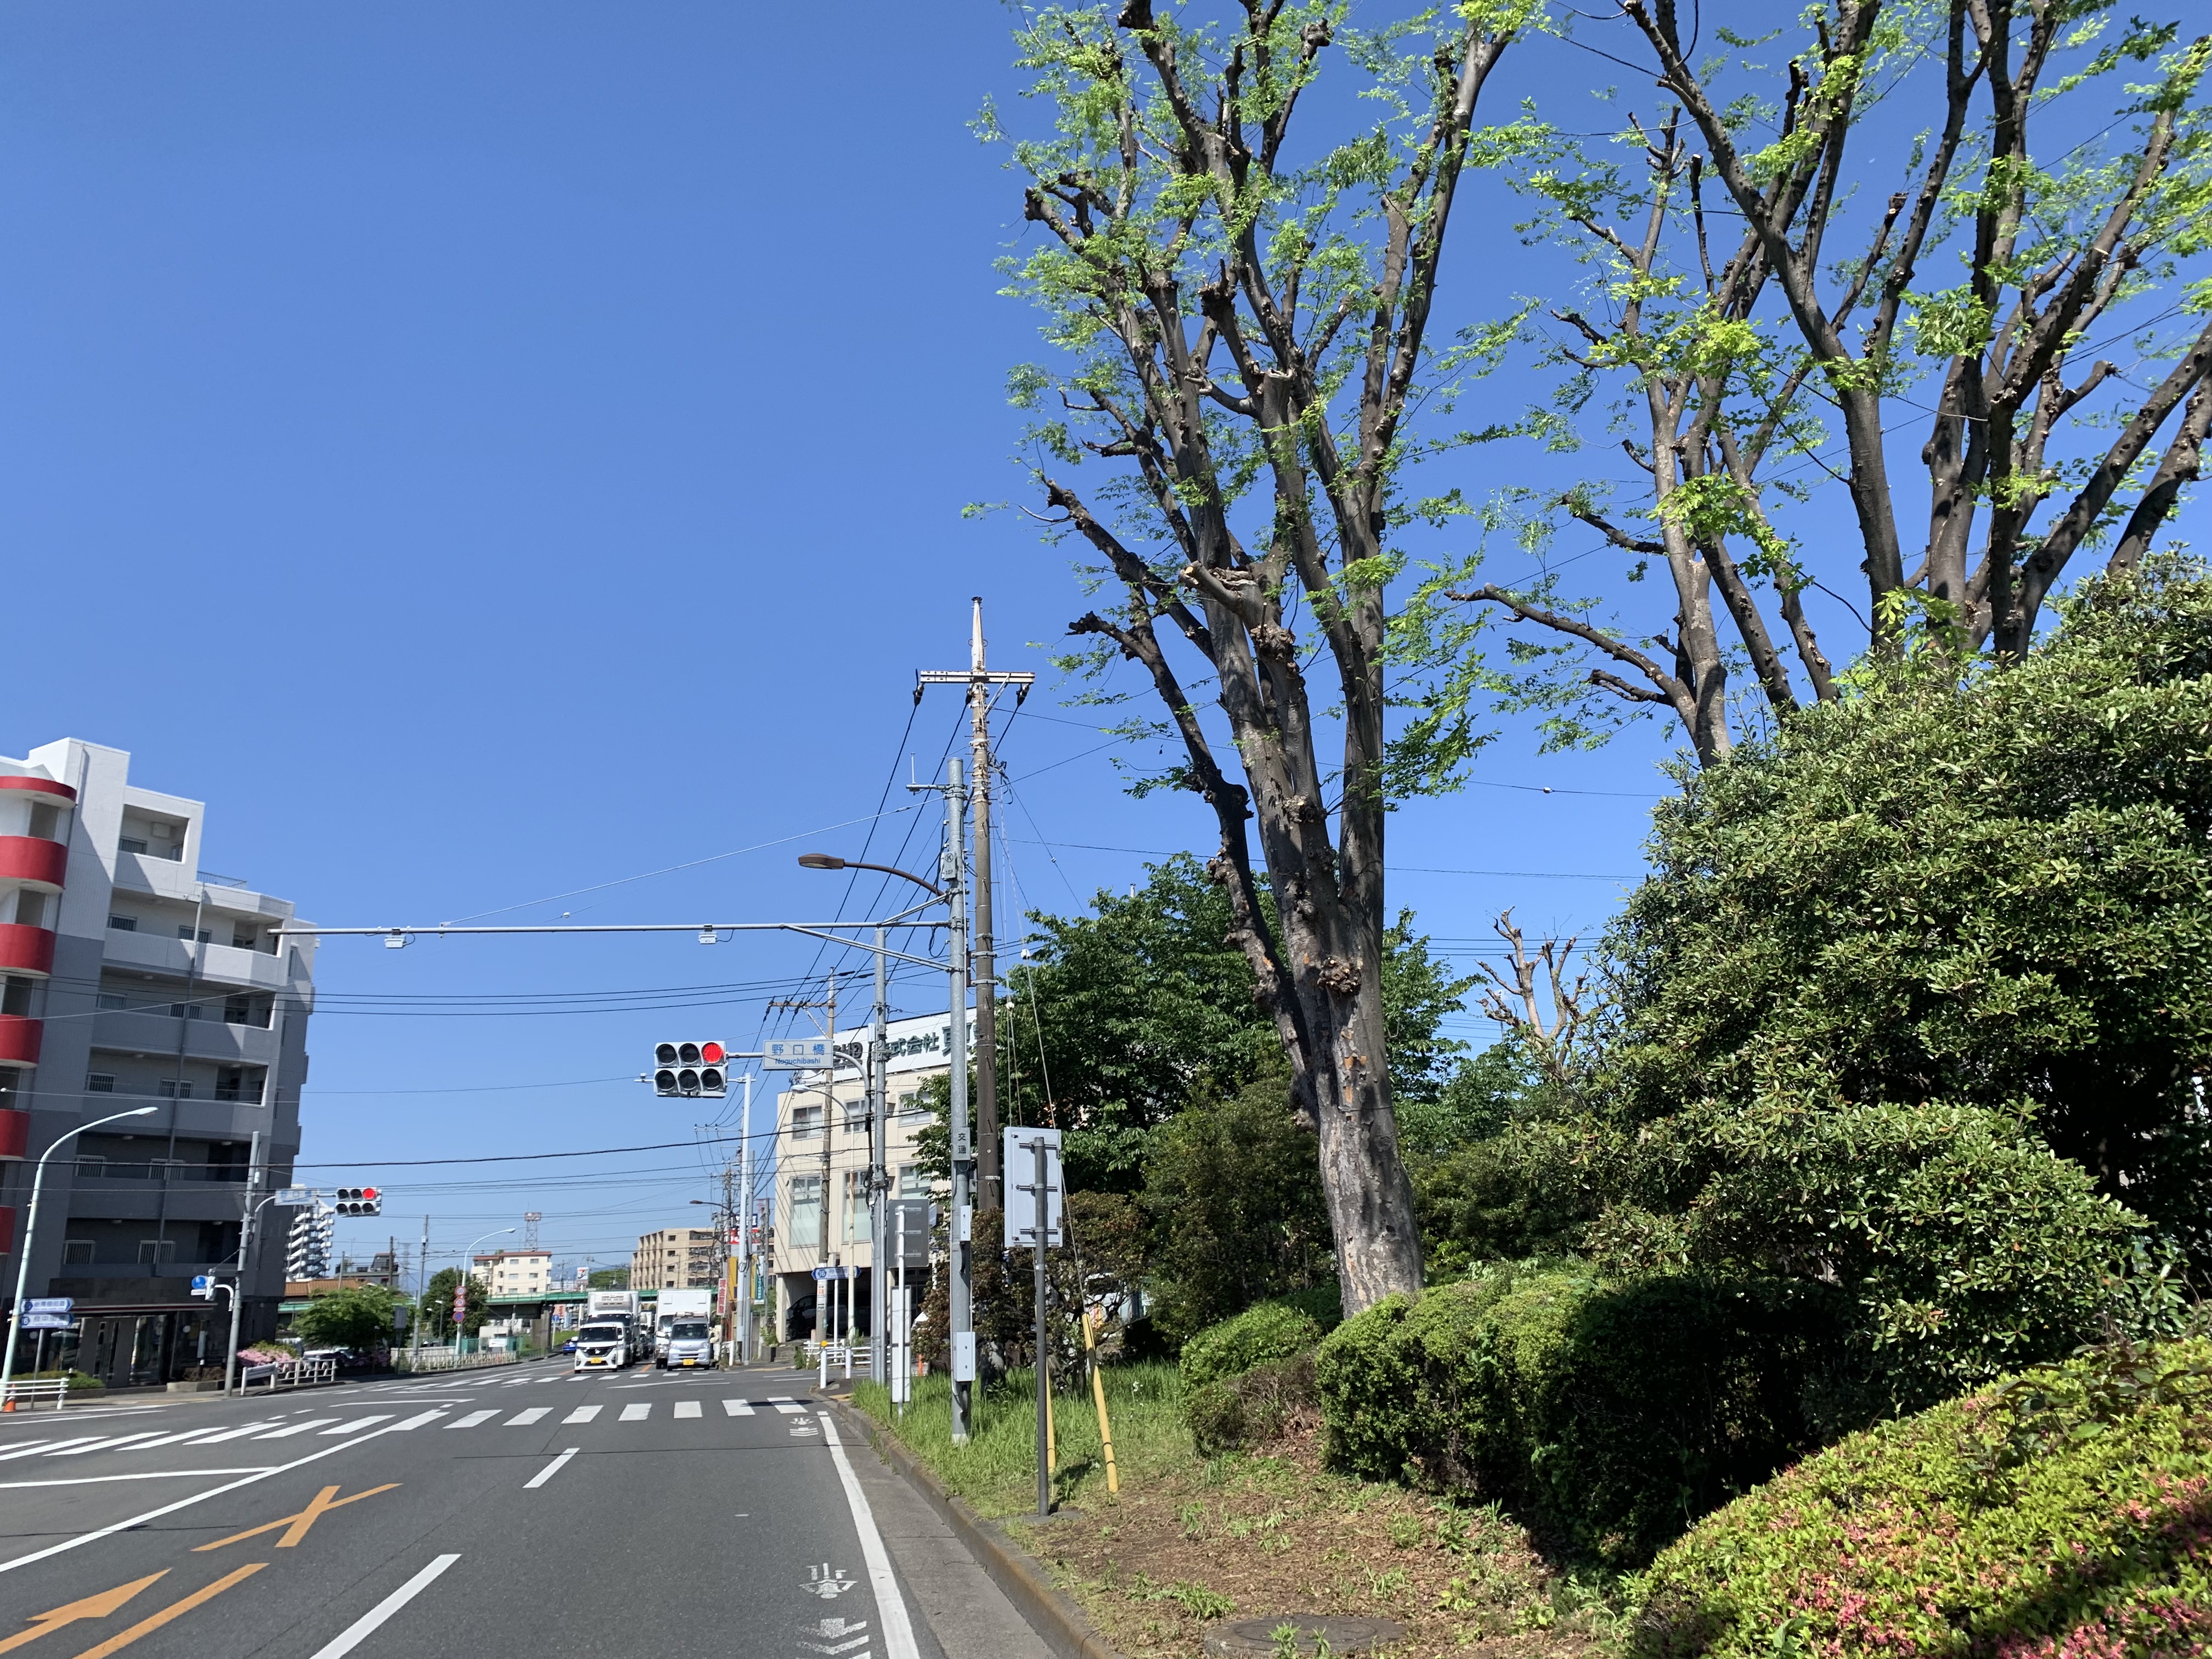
(134, 977)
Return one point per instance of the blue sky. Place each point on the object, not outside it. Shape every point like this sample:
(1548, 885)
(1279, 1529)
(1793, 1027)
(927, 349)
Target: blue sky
(490, 451)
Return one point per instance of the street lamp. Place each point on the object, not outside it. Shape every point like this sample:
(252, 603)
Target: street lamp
(30, 1230)
(462, 1289)
(831, 861)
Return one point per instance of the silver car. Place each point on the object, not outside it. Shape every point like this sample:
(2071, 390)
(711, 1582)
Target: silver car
(691, 1346)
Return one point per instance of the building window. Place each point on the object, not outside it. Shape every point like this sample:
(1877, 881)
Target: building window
(806, 1123)
(47, 821)
(856, 1206)
(185, 1011)
(77, 1252)
(92, 1167)
(132, 844)
(175, 1088)
(234, 1083)
(912, 1180)
(113, 999)
(100, 1083)
(155, 1251)
(205, 936)
(806, 1208)
(123, 924)
(15, 996)
(909, 1104)
(30, 908)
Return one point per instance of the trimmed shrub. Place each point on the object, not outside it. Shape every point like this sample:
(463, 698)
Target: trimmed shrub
(2066, 1513)
(1267, 1330)
(1612, 1414)
(1253, 1406)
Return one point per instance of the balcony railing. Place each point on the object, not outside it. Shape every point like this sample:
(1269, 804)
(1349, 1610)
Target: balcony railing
(101, 1169)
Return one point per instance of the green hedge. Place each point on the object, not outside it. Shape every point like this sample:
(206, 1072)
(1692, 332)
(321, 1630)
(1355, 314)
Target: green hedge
(1612, 1414)
(1266, 1331)
(2065, 1514)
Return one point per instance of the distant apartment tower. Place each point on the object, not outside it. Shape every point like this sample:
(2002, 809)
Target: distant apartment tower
(133, 977)
(676, 1259)
(515, 1273)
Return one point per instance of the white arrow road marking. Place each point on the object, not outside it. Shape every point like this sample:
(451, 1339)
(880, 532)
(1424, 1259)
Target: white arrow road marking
(549, 1470)
(350, 1638)
(838, 1647)
(898, 1632)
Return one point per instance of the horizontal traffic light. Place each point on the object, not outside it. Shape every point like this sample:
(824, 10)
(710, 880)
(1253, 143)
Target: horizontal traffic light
(690, 1068)
(358, 1200)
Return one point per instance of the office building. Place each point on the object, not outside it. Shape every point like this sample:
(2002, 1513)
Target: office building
(515, 1273)
(676, 1259)
(134, 977)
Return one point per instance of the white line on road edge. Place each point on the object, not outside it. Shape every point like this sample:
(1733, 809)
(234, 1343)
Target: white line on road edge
(549, 1470)
(898, 1634)
(151, 1474)
(100, 1533)
(350, 1637)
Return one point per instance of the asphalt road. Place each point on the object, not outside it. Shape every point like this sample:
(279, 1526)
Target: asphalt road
(520, 1511)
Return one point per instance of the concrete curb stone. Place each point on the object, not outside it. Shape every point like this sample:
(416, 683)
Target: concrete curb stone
(1023, 1579)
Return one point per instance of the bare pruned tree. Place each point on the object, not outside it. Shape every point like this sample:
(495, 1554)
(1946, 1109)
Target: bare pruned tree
(1247, 318)
(2037, 447)
(1518, 1003)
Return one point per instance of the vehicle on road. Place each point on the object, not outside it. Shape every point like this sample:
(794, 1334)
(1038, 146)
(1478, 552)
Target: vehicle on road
(689, 1346)
(676, 1304)
(604, 1346)
(569, 1347)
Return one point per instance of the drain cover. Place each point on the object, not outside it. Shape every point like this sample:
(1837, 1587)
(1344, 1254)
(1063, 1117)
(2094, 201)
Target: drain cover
(1343, 1633)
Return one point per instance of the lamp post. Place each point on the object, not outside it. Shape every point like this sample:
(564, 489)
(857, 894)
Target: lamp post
(462, 1289)
(30, 1232)
(879, 1089)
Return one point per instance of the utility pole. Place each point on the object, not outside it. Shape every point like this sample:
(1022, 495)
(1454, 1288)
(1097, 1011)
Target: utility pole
(745, 1224)
(422, 1299)
(829, 1114)
(879, 1181)
(960, 1288)
(979, 680)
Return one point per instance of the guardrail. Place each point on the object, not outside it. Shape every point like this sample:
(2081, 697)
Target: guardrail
(54, 1388)
(444, 1359)
(289, 1374)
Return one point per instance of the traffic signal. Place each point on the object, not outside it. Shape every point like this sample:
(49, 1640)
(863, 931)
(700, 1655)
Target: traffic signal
(358, 1200)
(690, 1068)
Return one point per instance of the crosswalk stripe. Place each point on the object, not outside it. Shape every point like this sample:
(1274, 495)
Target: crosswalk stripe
(523, 1419)
(299, 1428)
(173, 1439)
(471, 1420)
(787, 1407)
(419, 1419)
(359, 1423)
(687, 1408)
(241, 1433)
(635, 1413)
(738, 1407)
(37, 1446)
(583, 1413)
(108, 1443)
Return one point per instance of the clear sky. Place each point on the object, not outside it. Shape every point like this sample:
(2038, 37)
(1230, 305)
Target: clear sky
(489, 452)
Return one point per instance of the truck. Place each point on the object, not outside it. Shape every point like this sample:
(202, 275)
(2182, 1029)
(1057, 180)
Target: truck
(691, 1306)
(597, 1303)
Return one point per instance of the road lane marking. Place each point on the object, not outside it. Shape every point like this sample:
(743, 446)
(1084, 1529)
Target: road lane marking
(789, 1408)
(122, 1639)
(297, 1527)
(144, 1474)
(350, 1637)
(37, 1446)
(549, 1470)
(471, 1420)
(302, 1428)
(898, 1633)
(357, 1424)
(173, 1439)
(583, 1413)
(738, 1407)
(634, 1414)
(416, 1421)
(687, 1408)
(137, 1521)
(241, 1433)
(523, 1419)
(92, 1607)
(106, 1444)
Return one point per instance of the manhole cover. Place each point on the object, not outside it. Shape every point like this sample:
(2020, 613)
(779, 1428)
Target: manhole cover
(1343, 1633)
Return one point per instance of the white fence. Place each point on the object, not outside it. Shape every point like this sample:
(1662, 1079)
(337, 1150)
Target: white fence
(445, 1359)
(289, 1374)
(53, 1388)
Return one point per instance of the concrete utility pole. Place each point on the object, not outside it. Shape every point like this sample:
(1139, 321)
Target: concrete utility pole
(959, 1289)
(745, 1225)
(880, 1181)
(979, 680)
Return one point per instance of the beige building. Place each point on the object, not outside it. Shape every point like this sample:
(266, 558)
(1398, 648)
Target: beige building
(821, 1214)
(515, 1273)
(676, 1259)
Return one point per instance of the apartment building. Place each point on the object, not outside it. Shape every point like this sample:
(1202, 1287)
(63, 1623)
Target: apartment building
(676, 1259)
(515, 1273)
(822, 1213)
(129, 976)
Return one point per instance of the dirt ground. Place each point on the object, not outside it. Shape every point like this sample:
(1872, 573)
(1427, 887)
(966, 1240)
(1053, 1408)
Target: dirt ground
(1252, 1536)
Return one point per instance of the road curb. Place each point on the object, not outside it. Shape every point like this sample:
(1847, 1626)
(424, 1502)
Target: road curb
(1023, 1579)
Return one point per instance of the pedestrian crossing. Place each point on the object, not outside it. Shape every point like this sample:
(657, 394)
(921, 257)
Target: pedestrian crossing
(340, 1425)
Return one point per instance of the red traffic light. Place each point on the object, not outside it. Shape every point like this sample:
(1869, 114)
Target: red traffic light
(369, 1193)
(712, 1053)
